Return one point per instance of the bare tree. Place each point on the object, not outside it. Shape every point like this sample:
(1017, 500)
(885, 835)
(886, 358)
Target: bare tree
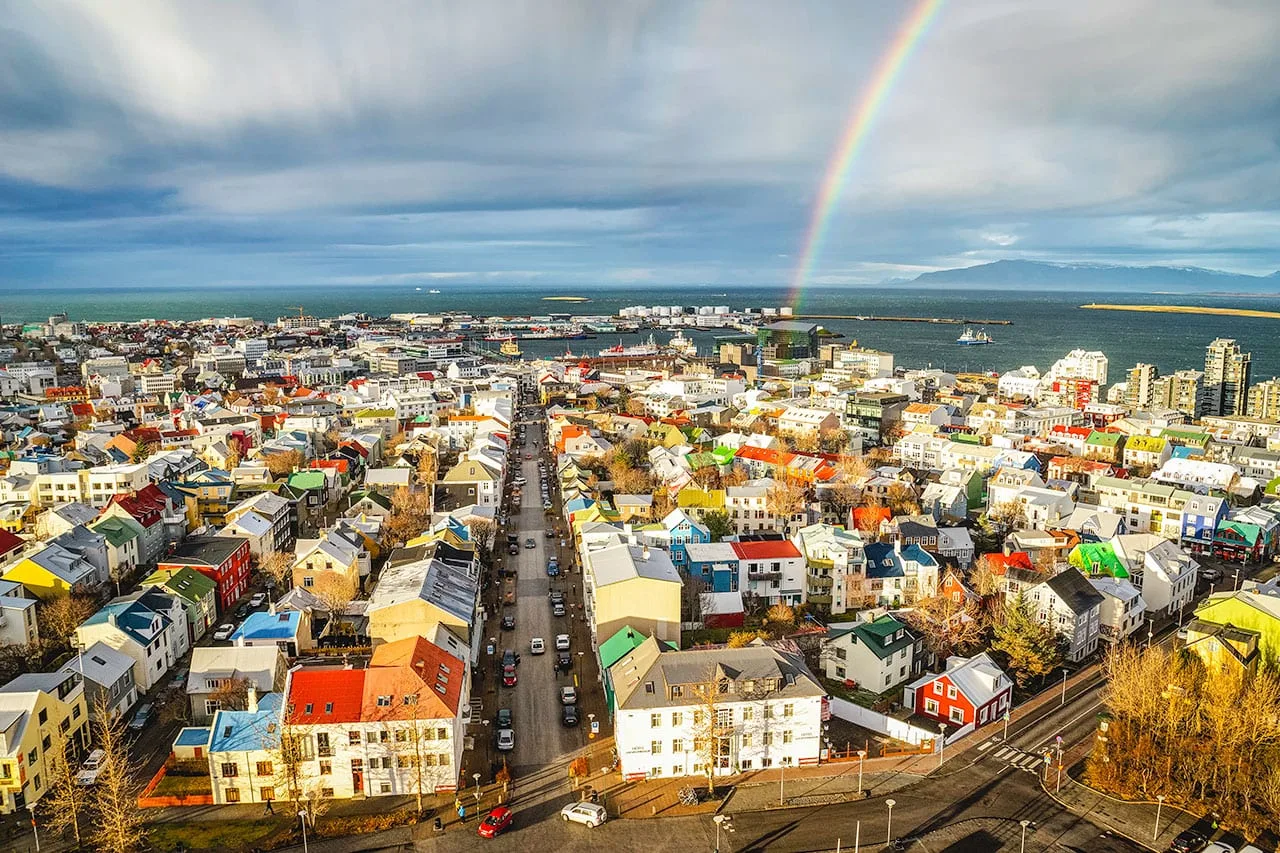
(786, 498)
(947, 626)
(278, 567)
(410, 516)
(65, 802)
(696, 598)
(117, 821)
(59, 617)
(283, 463)
(232, 694)
(711, 729)
(984, 580)
(901, 498)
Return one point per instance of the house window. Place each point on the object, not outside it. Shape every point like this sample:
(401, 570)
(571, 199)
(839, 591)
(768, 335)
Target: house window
(677, 691)
(211, 706)
(322, 745)
(308, 581)
(677, 745)
(268, 794)
(384, 701)
(767, 738)
(786, 737)
(233, 795)
(748, 714)
(655, 720)
(841, 653)
(655, 747)
(677, 718)
(746, 740)
(353, 738)
(230, 769)
(952, 692)
(326, 768)
(937, 687)
(957, 715)
(931, 706)
(264, 768)
(384, 788)
(788, 709)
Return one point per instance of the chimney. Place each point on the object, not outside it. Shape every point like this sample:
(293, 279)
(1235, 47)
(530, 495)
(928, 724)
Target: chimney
(644, 554)
(251, 699)
(897, 544)
(111, 618)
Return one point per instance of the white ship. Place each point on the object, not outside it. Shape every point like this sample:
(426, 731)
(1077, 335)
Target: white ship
(970, 338)
(648, 348)
(681, 345)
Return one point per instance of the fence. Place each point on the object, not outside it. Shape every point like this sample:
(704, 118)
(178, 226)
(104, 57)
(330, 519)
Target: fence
(883, 723)
(148, 799)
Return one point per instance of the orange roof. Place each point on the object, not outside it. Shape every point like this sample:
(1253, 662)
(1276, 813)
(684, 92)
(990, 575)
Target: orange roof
(764, 454)
(326, 695)
(1001, 563)
(413, 667)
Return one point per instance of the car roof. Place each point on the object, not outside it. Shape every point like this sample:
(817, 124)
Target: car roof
(500, 812)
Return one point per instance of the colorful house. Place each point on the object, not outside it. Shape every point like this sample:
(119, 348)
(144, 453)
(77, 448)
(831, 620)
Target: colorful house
(971, 692)
(222, 559)
(1239, 542)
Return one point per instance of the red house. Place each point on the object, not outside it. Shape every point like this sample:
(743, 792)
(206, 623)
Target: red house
(222, 559)
(971, 691)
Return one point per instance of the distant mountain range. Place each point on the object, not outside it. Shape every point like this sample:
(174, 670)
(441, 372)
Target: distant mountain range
(1101, 277)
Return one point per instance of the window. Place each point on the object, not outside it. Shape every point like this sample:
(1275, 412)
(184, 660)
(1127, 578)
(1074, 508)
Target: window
(268, 794)
(353, 738)
(931, 706)
(655, 747)
(384, 788)
(444, 759)
(786, 736)
(75, 712)
(937, 687)
(37, 781)
(233, 795)
(957, 715)
(308, 708)
(402, 736)
(788, 709)
(322, 745)
(677, 745)
(952, 692)
(326, 768)
(768, 712)
(655, 720)
(746, 740)
(44, 716)
(308, 581)
(767, 738)
(230, 769)
(384, 701)
(841, 653)
(677, 691)
(888, 679)
(264, 768)
(326, 792)
(748, 714)
(328, 707)
(724, 717)
(677, 718)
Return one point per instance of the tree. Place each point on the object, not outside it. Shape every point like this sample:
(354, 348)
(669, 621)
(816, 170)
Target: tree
(19, 659)
(428, 467)
(711, 729)
(578, 769)
(947, 626)
(117, 822)
(780, 620)
(278, 568)
(984, 580)
(65, 802)
(59, 617)
(282, 463)
(846, 491)
(739, 639)
(695, 598)
(1008, 515)
(334, 590)
(1030, 648)
(484, 533)
(718, 524)
(231, 695)
(786, 499)
(410, 516)
(901, 499)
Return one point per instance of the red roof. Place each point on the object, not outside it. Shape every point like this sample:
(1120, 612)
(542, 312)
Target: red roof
(416, 666)
(763, 454)
(317, 688)
(1001, 563)
(339, 465)
(769, 549)
(9, 542)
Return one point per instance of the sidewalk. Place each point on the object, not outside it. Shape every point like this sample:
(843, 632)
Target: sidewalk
(1135, 821)
(822, 785)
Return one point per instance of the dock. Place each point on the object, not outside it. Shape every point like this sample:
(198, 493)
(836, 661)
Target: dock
(950, 321)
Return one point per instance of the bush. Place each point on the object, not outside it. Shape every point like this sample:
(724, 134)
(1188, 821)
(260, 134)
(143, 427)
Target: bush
(338, 827)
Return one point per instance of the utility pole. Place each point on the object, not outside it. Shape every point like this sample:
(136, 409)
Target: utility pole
(862, 754)
(888, 833)
(1159, 802)
(1064, 685)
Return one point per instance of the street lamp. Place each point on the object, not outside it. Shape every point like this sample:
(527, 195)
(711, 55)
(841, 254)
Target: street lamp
(302, 818)
(888, 833)
(942, 741)
(862, 755)
(1064, 684)
(34, 830)
(577, 671)
(1159, 802)
(1025, 823)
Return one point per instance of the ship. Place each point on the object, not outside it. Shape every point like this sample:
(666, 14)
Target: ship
(681, 345)
(499, 337)
(433, 291)
(644, 350)
(510, 348)
(970, 338)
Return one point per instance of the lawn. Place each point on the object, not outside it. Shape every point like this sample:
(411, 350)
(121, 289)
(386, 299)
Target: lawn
(173, 785)
(216, 835)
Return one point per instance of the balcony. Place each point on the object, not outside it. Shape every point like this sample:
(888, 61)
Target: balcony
(820, 583)
(821, 600)
(764, 574)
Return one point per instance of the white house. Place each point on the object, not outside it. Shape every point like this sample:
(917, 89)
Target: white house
(1069, 604)
(876, 653)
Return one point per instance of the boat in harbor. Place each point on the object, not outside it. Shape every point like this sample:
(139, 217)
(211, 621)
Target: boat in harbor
(642, 350)
(510, 348)
(499, 337)
(970, 338)
(681, 345)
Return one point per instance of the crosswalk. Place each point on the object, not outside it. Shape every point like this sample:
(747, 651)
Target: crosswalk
(1015, 757)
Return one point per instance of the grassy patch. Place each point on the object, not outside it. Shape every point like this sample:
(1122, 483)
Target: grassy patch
(689, 639)
(216, 835)
(857, 695)
(173, 785)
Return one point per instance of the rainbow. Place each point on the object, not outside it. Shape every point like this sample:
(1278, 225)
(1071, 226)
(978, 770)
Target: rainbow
(855, 134)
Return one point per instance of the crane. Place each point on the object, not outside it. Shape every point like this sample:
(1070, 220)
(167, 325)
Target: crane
(301, 312)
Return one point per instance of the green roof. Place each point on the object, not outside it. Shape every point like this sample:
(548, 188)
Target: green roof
(117, 530)
(701, 460)
(1248, 532)
(185, 583)
(873, 635)
(1088, 554)
(1104, 439)
(308, 480)
(723, 455)
(376, 413)
(616, 647)
(966, 438)
(1186, 436)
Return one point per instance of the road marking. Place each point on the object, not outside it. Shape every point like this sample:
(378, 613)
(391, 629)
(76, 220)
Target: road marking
(984, 747)
(1005, 752)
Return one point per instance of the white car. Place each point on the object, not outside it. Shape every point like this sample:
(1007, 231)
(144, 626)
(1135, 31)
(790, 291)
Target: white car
(537, 646)
(562, 642)
(258, 599)
(1219, 847)
(88, 775)
(591, 814)
(506, 740)
(224, 632)
(568, 696)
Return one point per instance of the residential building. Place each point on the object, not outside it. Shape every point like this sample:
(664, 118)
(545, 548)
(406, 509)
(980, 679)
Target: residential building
(875, 654)
(18, 623)
(625, 584)
(222, 559)
(1226, 378)
(971, 692)
(1123, 611)
(767, 710)
(217, 670)
(1139, 391)
(143, 629)
(1264, 400)
(38, 711)
(1068, 604)
(836, 567)
(108, 680)
(198, 593)
(424, 587)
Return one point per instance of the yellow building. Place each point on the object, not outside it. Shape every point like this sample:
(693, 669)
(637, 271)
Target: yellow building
(632, 585)
(424, 587)
(38, 711)
(53, 572)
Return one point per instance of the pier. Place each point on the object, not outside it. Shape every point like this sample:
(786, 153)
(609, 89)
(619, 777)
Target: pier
(951, 321)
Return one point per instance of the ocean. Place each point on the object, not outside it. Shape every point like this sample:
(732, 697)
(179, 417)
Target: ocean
(1046, 325)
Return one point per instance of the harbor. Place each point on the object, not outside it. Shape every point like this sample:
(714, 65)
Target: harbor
(950, 321)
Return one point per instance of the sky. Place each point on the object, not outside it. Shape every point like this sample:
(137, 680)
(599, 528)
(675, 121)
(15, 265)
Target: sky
(626, 143)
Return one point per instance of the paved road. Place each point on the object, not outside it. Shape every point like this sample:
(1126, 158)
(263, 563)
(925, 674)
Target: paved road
(535, 701)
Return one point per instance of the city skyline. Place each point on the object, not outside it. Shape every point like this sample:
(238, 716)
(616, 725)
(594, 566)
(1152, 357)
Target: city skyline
(651, 143)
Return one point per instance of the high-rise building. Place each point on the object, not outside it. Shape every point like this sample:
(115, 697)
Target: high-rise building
(1264, 400)
(1138, 385)
(1226, 378)
(1081, 364)
(1180, 391)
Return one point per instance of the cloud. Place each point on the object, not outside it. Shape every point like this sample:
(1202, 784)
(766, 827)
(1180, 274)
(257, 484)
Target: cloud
(654, 141)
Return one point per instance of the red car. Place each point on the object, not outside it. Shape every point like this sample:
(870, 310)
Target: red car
(509, 675)
(495, 822)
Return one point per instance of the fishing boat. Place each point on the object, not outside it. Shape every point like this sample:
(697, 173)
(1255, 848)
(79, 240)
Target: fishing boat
(970, 338)
(510, 348)
(499, 337)
(681, 345)
(648, 348)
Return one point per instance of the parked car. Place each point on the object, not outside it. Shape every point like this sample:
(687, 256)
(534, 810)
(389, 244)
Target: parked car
(258, 599)
(562, 642)
(88, 774)
(569, 716)
(568, 695)
(513, 550)
(589, 814)
(1219, 847)
(509, 658)
(506, 740)
(553, 569)
(1189, 841)
(224, 632)
(1211, 574)
(242, 611)
(142, 717)
(529, 543)
(537, 646)
(556, 596)
(509, 676)
(564, 663)
(551, 534)
(495, 822)
(557, 609)
(509, 622)
(504, 718)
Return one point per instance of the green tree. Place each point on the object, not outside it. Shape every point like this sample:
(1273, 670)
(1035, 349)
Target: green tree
(718, 524)
(1030, 648)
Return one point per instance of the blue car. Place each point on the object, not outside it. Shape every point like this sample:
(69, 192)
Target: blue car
(553, 569)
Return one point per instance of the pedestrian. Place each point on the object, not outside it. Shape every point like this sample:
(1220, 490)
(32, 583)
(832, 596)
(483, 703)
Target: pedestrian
(462, 813)
(270, 808)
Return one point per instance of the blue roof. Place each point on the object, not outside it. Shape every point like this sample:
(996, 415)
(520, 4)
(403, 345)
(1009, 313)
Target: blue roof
(193, 736)
(1185, 451)
(243, 731)
(882, 562)
(578, 503)
(459, 529)
(918, 555)
(269, 626)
